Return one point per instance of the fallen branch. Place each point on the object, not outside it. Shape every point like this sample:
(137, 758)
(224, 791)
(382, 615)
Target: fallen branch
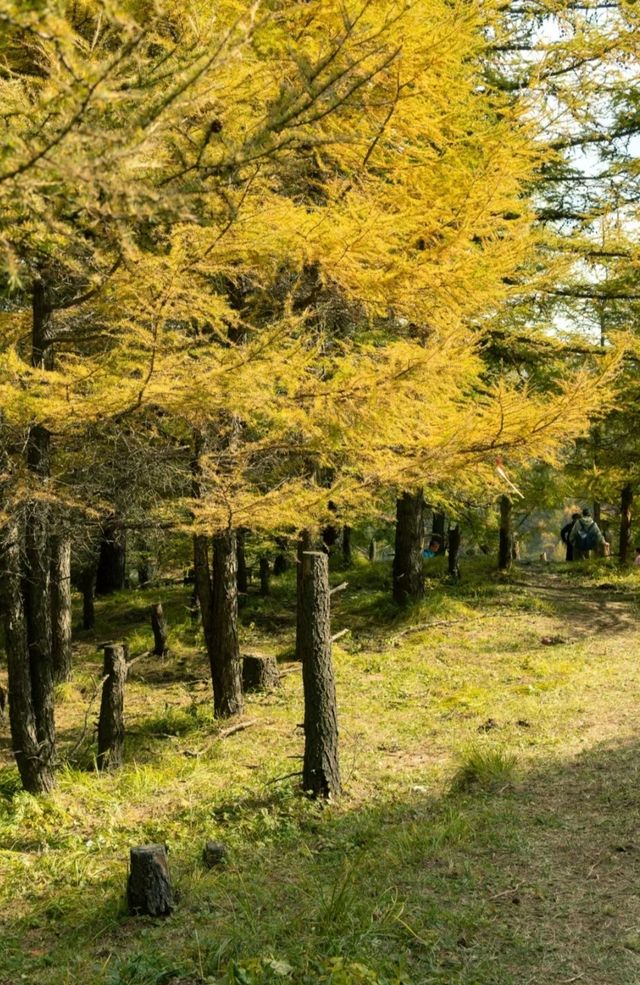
(339, 588)
(287, 776)
(236, 728)
(336, 636)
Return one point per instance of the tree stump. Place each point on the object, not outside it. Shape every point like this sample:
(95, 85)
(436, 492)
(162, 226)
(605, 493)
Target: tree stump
(149, 886)
(111, 721)
(214, 853)
(259, 672)
(159, 626)
(321, 770)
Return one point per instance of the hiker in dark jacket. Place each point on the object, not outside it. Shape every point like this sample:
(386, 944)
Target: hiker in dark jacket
(585, 536)
(564, 535)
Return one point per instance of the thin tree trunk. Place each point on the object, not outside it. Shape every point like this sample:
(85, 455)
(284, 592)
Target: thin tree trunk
(159, 627)
(408, 579)
(321, 769)
(111, 573)
(226, 665)
(111, 721)
(243, 579)
(88, 587)
(454, 551)
(505, 551)
(280, 563)
(37, 581)
(61, 607)
(438, 526)
(304, 544)
(203, 587)
(346, 544)
(265, 574)
(626, 502)
(33, 758)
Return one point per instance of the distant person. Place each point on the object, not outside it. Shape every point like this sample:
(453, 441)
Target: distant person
(434, 549)
(564, 535)
(637, 557)
(585, 536)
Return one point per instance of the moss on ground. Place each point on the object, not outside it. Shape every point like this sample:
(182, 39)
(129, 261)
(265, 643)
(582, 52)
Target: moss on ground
(489, 830)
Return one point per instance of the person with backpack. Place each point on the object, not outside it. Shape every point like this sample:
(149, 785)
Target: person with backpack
(585, 536)
(565, 533)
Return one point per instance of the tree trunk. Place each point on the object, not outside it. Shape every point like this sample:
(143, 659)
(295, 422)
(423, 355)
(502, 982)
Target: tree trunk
(37, 580)
(321, 770)
(408, 579)
(111, 721)
(149, 886)
(265, 575)
(224, 656)
(88, 587)
(280, 563)
(61, 607)
(33, 758)
(346, 544)
(454, 551)
(438, 526)
(372, 551)
(626, 502)
(505, 551)
(159, 627)
(243, 578)
(146, 570)
(304, 544)
(110, 576)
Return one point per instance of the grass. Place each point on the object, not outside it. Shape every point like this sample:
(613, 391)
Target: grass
(487, 835)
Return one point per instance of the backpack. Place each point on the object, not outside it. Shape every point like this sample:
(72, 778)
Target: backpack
(587, 538)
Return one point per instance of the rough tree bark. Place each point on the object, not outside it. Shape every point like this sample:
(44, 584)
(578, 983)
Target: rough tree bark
(111, 721)
(505, 550)
(454, 551)
(159, 627)
(33, 758)
(626, 503)
(259, 672)
(408, 579)
(321, 769)
(36, 579)
(224, 656)
(111, 572)
(60, 545)
(243, 577)
(149, 886)
(304, 544)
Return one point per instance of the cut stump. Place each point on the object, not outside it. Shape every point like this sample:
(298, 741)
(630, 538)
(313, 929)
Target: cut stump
(149, 886)
(259, 672)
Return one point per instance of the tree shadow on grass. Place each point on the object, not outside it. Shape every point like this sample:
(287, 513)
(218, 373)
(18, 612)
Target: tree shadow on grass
(530, 881)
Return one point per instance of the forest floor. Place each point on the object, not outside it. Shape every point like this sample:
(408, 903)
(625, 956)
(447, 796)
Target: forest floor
(489, 833)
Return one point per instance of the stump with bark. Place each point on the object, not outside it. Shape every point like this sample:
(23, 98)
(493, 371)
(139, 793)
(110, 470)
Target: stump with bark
(259, 672)
(111, 721)
(321, 769)
(149, 886)
(159, 626)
